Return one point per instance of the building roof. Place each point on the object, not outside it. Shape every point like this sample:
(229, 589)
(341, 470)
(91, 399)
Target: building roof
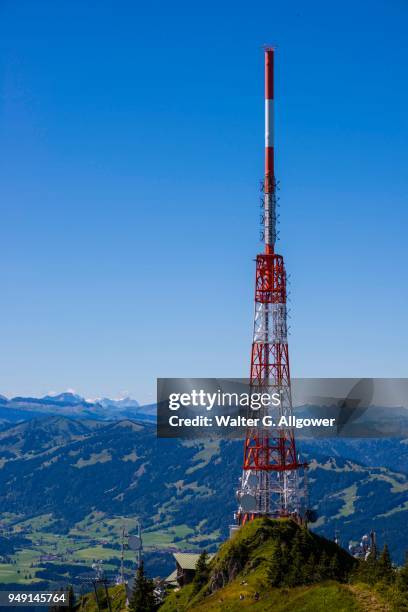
(172, 579)
(188, 561)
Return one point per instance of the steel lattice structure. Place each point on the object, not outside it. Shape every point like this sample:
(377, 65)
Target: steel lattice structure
(273, 479)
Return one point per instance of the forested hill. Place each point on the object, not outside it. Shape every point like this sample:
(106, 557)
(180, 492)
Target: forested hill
(278, 565)
(72, 468)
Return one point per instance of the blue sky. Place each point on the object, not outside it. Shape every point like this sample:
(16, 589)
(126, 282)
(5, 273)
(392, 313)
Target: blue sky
(130, 159)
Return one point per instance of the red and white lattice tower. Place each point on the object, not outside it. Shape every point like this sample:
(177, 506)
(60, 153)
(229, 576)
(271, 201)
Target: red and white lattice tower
(272, 482)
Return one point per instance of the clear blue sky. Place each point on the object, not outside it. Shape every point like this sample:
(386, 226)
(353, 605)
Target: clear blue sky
(131, 155)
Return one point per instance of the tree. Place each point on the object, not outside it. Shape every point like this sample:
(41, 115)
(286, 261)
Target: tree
(376, 569)
(334, 567)
(309, 573)
(369, 567)
(275, 570)
(295, 575)
(384, 566)
(304, 543)
(202, 573)
(71, 598)
(142, 598)
(323, 566)
(402, 581)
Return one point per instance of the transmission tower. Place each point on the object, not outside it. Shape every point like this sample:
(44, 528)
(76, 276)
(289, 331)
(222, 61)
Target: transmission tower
(272, 482)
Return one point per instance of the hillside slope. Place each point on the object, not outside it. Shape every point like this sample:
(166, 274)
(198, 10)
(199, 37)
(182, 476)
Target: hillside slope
(74, 468)
(68, 485)
(241, 569)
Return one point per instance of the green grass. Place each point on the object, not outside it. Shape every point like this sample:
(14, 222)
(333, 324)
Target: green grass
(177, 601)
(204, 456)
(197, 539)
(117, 598)
(36, 523)
(252, 546)
(98, 552)
(10, 573)
(103, 457)
(157, 539)
(321, 598)
(349, 496)
(161, 538)
(181, 531)
(324, 597)
(84, 541)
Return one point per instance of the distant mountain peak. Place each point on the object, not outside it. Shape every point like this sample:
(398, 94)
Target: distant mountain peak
(123, 402)
(67, 397)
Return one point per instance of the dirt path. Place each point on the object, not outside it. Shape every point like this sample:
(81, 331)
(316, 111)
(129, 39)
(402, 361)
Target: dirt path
(368, 600)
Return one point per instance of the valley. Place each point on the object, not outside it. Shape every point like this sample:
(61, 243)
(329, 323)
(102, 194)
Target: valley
(70, 485)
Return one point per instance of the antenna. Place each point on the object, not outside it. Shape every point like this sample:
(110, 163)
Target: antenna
(269, 185)
(124, 540)
(136, 543)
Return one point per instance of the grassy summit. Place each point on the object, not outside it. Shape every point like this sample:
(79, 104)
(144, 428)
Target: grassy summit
(278, 565)
(272, 565)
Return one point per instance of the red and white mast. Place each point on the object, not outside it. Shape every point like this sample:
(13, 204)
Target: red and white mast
(269, 182)
(271, 483)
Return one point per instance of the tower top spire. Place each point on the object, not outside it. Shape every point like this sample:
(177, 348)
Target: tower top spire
(269, 180)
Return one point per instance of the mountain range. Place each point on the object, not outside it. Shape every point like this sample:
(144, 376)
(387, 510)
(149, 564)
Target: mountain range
(76, 478)
(71, 405)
